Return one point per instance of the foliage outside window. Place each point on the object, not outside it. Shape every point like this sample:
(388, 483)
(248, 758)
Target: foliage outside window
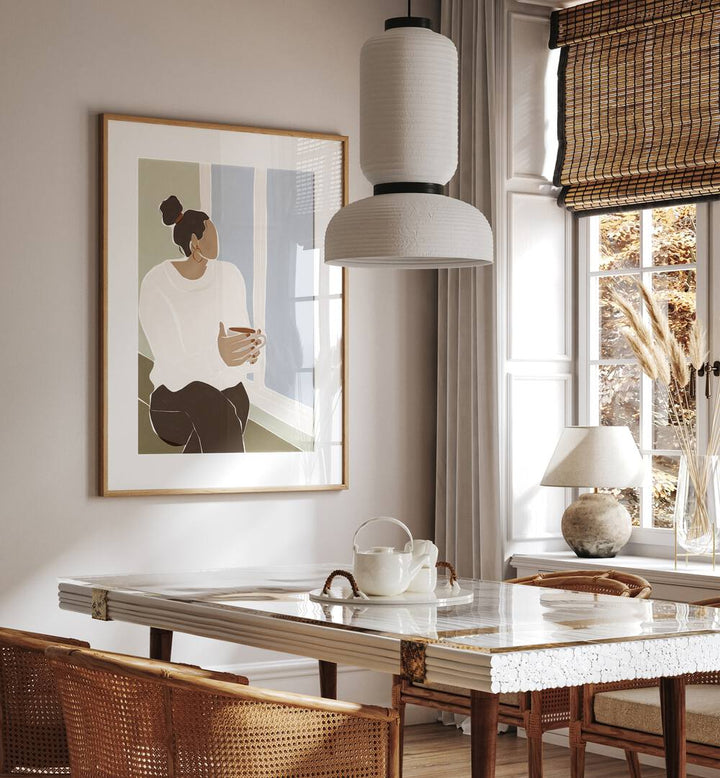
(658, 248)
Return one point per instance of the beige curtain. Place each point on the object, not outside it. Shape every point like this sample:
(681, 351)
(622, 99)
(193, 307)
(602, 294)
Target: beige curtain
(467, 522)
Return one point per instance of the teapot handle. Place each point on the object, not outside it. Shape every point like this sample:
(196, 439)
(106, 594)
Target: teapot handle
(380, 518)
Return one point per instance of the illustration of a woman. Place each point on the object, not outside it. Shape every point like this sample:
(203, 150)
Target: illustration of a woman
(198, 400)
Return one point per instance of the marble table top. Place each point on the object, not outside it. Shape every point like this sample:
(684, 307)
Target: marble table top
(514, 637)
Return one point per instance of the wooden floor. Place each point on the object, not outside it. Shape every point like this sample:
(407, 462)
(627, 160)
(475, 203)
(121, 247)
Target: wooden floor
(433, 750)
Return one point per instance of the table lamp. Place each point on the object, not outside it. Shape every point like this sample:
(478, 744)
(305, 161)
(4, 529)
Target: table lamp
(596, 524)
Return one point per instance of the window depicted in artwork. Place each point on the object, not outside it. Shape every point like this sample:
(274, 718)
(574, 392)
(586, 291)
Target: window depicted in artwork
(659, 248)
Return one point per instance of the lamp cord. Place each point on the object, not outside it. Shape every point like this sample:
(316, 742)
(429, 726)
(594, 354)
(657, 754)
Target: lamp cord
(409, 7)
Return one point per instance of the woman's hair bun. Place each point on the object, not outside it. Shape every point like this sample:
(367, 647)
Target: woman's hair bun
(170, 209)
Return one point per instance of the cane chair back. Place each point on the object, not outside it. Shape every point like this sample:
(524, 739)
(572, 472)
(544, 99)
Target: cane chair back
(606, 582)
(32, 732)
(133, 718)
(712, 602)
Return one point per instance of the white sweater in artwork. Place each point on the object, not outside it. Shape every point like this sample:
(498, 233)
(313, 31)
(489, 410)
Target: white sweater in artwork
(181, 319)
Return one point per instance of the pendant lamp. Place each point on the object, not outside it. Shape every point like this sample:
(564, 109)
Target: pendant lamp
(408, 151)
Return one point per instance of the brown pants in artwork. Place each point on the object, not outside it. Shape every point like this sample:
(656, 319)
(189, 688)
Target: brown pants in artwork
(201, 418)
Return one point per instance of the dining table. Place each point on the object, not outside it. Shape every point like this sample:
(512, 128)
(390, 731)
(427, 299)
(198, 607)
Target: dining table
(483, 636)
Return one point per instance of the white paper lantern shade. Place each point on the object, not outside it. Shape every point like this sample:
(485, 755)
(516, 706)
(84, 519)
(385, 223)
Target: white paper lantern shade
(408, 151)
(408, 230)
(408, 107)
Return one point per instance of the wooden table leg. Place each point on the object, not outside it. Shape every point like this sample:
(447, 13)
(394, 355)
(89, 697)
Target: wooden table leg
(328, 680)
(160, 644)
(533, 732)
(577, 743)
(672, 706)
(483, 734)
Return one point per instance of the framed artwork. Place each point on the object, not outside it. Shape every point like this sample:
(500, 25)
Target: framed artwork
(224, 343)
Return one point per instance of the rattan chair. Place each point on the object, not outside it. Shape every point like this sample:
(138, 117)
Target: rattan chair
(535, 712)
(32, 733)
(138, 718)
(627, 715)
(607, 582)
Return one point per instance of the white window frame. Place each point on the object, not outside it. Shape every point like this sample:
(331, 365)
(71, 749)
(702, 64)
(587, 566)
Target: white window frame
(587, 314)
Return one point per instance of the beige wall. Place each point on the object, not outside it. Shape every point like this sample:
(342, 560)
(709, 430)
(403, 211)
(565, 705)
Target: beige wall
(266, 63)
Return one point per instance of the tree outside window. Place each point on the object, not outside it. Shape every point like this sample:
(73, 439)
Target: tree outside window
(657, 247)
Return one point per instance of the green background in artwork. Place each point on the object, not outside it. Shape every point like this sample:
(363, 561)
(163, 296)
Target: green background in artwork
(157, 180)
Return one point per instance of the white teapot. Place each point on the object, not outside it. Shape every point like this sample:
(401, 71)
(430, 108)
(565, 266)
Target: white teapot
(383, 570)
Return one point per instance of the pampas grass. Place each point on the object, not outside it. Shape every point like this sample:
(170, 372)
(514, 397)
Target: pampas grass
(662, 359)
(658, 320)
(645, 356)
(662, 366)
(679, 364)
(633, 319)
(697, 346)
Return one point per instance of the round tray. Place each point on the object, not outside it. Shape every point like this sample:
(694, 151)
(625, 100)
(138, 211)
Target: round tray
(442, 597)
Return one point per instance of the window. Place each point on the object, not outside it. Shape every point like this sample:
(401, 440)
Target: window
(662, 248)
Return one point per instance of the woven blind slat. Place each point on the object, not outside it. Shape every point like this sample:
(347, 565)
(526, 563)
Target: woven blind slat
(639, 104)
(603, 17)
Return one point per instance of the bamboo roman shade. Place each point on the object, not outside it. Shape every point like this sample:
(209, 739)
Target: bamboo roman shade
(639, 102)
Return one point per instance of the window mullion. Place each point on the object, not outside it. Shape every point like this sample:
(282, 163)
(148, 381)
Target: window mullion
(634, 271)
(646, 385)
(704, 304)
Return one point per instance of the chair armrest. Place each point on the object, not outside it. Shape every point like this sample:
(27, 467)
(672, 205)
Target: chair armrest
(36, 640)
(289, 699)
(142, 666)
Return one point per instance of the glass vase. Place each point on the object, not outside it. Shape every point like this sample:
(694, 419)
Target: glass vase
(696, 505)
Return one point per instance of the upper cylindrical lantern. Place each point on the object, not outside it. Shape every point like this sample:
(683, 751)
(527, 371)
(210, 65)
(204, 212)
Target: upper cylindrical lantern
(408, 106)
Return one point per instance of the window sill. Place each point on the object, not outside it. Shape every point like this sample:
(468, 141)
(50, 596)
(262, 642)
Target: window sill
(692, 580)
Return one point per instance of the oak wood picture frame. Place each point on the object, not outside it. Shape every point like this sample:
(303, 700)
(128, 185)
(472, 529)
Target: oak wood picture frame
(106, 486)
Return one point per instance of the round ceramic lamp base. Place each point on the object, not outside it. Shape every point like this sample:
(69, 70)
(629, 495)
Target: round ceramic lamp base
(596, 526)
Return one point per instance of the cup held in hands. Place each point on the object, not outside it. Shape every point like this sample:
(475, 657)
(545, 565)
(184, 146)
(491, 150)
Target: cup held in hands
(249, 332)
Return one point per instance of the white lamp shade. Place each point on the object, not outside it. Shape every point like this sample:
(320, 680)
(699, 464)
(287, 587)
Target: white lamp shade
(408, 107)
(409, 230)
(603, 457)
(409, 151)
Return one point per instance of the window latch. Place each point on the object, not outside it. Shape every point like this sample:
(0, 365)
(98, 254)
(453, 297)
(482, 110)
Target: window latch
(704, 370)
